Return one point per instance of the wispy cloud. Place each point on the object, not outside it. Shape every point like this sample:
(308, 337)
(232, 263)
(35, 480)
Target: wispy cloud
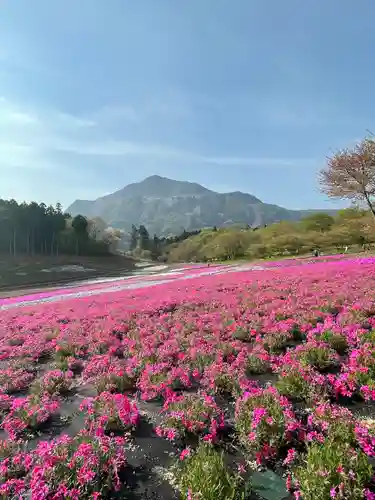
(261, 161)
(31, 138)
(115, 113)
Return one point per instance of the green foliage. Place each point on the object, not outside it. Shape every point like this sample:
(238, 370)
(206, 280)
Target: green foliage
(270, 430)
(143, 238)
(79, 224)
(203, 475)
(294, 385)
(141, 245)
(256, 365)
(368, 338)
(351, 228)
(133, 238)
(333, 465)
(319, 357)
(275, 342)
(318, 222)
(336, 341)
(32, 228)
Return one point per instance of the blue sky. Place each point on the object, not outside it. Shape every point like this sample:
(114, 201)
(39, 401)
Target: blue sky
(247, 95)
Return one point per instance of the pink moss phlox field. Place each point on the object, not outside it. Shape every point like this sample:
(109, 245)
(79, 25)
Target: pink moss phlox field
(129, 280)
(283, 357)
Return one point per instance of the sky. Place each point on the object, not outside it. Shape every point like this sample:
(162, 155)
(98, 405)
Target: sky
(248, 95)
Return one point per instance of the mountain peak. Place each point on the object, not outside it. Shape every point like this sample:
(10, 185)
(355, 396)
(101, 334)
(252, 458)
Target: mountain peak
(158, 186)
(154, 178)
(167, 206)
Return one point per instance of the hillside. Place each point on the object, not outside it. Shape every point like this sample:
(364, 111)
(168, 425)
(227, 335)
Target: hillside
(166, 206)
(349, 229)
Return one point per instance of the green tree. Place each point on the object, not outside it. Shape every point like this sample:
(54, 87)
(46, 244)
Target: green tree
(80, 224)
(352, 213)
(318, 222)
(144, 238)
(133, 238)
(32, 228)
(155, 248)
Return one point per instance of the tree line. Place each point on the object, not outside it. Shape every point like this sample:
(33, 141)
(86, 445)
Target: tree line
(32, 228)
(351, 229)
(155, 248)
(349, 174)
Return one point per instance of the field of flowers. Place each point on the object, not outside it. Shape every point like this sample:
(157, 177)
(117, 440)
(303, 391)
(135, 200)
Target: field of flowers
(241, 385)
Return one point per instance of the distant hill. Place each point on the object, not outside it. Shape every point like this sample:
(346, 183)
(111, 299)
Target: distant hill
(166, 206)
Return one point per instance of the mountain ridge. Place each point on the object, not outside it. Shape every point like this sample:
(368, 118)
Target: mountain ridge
(166, 206)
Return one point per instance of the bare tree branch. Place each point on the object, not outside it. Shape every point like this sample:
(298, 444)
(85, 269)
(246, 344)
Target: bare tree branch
(350, 174)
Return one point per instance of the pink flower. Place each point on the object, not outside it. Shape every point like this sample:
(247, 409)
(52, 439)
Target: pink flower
(241, 468)
(292, 453)
(171, 434)
(185, 453)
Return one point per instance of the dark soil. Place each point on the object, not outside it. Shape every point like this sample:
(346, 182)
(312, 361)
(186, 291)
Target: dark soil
(31, 276)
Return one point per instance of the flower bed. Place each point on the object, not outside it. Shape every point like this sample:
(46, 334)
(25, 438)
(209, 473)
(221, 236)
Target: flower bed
(282, 358)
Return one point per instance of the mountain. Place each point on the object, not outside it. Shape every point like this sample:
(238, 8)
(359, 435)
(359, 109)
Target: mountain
(166, 207)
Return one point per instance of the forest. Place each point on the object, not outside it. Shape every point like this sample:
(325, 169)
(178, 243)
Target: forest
(38, 229)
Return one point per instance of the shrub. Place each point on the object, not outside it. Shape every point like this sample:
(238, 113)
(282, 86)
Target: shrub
(109, 374)
(65, 350)
(358, 377)
(336, 341)
(29, 414)
(83, 467)
(364, 357)
(53, 382)
(296, 332)
(13, 462)
(365, 434)
(190, 414)
(14, 380)
(257, 364)
(201, 361)
(242, 334)
(110, 412)
(203, 475)
(252, 362)
(5, 403)
(299, 383)
(116, 381)
(320, 357)
(276, 342)
(157, 379)
(368, 338)
(264, 422)
(332, 469)
(219, 378)
(335, 422)
(69, 363)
